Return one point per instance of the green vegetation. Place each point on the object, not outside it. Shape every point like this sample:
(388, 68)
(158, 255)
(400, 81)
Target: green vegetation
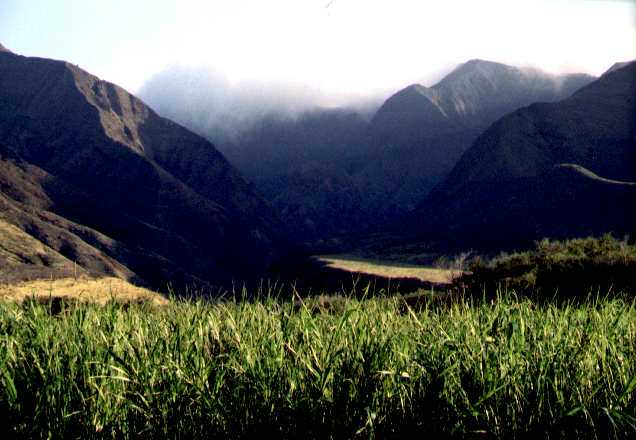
(508, 362)
(559, 269)
(372, 368)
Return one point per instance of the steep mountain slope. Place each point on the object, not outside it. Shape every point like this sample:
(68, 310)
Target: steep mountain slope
(617, 66)
(411, 143)
(559, 169)
(594, 128)
(299, 165)
(418, 135)
(93, 173)
(332, 173)
(481, 91)
(22, 256)
(281, 144)
(317, 202)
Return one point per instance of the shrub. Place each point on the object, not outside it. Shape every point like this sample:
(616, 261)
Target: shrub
(563, 269)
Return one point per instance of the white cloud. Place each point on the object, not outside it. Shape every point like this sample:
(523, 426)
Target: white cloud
(356, 46)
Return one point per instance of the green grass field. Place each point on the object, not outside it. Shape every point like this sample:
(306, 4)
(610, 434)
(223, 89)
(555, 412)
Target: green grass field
(374, 368)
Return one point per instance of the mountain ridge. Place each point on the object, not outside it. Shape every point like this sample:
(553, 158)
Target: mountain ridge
(174, 207)
(332, 175)
(419, 133)
(617, 65)
(617, 89)
(546, 170)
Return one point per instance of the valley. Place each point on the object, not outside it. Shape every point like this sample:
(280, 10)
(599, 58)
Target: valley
(470, 165)
(331, 173)
(225, 248)
(390, 270)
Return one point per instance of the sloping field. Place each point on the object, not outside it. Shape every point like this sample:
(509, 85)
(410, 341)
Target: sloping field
(389, 269)
(99, 291)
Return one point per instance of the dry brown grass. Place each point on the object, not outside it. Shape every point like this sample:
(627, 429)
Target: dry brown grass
(99, 291)
(17, 249)
(390, 269)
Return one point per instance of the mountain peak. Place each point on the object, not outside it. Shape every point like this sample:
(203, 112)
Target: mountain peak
(4, 49)
(476, 70)
(414, 89)
(478, 87)
(525, 176)
(413, 103)
(479, 65)
(618, 65)
(479, 61)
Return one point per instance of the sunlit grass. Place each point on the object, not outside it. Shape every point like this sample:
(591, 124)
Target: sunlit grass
(387, 269)
(81, 289)
(370, 368)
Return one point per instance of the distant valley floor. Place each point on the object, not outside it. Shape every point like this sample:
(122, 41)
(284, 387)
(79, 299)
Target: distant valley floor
(389, 269)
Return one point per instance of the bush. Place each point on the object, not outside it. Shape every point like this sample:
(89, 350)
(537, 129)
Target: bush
(563, 269)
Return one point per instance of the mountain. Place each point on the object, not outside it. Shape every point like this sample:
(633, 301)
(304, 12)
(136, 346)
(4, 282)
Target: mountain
(97, 178)
(299, 163)
(550, 169)
(334, 173)
(593, 128)
(419, 133)
(479, 91)
(4, 49)
(283, 144)
(616, 66)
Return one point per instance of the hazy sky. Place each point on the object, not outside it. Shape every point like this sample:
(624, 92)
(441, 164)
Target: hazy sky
(338, 46)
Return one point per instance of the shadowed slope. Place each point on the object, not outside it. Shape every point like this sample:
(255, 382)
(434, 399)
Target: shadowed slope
(170, 205)
(331, 173)
(418, 135)
(595, 128)
(548, 170)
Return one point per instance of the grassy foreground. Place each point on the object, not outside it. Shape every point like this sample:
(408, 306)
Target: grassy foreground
(368, 368)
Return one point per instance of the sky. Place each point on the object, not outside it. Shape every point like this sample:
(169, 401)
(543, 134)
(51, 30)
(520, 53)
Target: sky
(336, 46)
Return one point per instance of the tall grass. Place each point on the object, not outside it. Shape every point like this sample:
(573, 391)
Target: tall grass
(371, 368)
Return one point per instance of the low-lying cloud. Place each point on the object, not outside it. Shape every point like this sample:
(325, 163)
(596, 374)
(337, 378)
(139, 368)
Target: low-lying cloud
(206, 102)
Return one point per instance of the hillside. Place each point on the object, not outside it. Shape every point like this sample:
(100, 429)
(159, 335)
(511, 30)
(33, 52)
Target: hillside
(479, 91)
(332, 173)
(594, 128)
(558, 170)
(300, 168)
(617, 66)
(95, 175)
(419, 133)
